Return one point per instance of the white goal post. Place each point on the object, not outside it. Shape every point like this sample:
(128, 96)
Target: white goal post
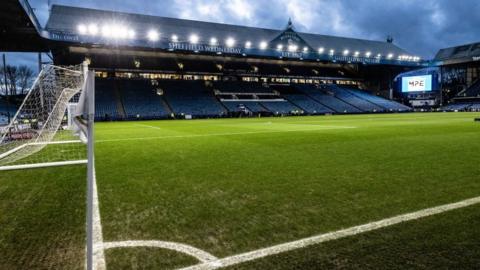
(41, 133)
(54, 127)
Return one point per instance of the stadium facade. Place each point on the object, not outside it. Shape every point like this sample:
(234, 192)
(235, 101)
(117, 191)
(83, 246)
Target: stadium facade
(151, 67)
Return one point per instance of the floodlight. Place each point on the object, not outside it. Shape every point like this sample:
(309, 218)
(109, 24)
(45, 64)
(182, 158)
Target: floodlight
(213, 41)
(153, 35)
(92, 29)
(131, 34)
(123, 32)
(230, 42)
(357, 53)
(305, 49)
(279, 47)
(292, 48)
(193, 39)
(106, 31)
(367, 54)
(174, 38)
(332, 51)
(321, 50)
(82, 29)
(346, 52)
(248, 44)
(263, 45)
(390, 55)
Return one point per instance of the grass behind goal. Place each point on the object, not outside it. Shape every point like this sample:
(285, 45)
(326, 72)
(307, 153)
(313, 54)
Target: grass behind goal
(228, 186)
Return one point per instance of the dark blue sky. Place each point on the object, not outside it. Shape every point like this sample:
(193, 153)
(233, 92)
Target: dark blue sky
(419, 26)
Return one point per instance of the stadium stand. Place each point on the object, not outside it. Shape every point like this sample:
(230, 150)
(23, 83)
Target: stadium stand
(105, 101)
(140, 100)
(475, 107)
(460, 107)
(328, 100)
(251, 106)
(191, 98)
(280, 107)
(240, 87)
(381, 102)
(301, 100)
(471, 92)
(455, 107)
(143, 99)
(348, 97)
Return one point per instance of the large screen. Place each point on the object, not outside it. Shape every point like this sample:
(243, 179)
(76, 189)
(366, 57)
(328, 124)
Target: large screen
(417, 83)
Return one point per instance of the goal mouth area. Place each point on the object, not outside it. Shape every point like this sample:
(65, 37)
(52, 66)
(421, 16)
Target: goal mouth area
(29, 155)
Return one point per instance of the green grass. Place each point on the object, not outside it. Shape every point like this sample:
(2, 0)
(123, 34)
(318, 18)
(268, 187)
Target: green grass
(234, 185)
(42, 217)
(446, 241)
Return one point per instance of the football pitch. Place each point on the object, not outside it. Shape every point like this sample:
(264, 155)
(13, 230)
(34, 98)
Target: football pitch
(389, 191)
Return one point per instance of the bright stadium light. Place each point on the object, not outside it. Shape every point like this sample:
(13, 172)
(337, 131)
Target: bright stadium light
(93, 29)
(357, 53)
(174, 38)
(332, 51)
(367, 54)
(230, 42)
(279, 47)
(106, 31)
(193, 39)
(153, 35)
(379, 55)
(131, 34)
(213, 41)
(118, 31)
(346, 52)
(263, 45)
(390, 56)
(321, 50)
(248, 44)
(292, 48)
(305, 49)
(82, 29)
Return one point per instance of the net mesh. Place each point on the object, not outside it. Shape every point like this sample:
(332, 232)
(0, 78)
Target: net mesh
(39, 132)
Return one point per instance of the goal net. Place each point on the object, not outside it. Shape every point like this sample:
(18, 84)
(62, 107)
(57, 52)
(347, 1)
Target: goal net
(41, 132)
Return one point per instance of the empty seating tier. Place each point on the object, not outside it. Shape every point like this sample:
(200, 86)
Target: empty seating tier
(105, 100)
(327, 100)
(191, 98)
(141, 101)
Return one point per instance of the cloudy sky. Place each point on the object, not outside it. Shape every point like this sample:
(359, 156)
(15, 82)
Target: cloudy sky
(419, 26)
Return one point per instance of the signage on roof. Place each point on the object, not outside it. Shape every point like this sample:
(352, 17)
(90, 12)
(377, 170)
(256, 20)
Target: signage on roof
(204, 48)
(309, 55)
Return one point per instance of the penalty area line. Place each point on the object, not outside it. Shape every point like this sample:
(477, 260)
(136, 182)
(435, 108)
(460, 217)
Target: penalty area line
(147, 126)
(302, 243)
(224, 134)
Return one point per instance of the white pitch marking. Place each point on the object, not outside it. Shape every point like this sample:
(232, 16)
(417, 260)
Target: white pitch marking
(223, 134)
(264, 252)
(201, 255)
(148, 126)
(98, 249)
